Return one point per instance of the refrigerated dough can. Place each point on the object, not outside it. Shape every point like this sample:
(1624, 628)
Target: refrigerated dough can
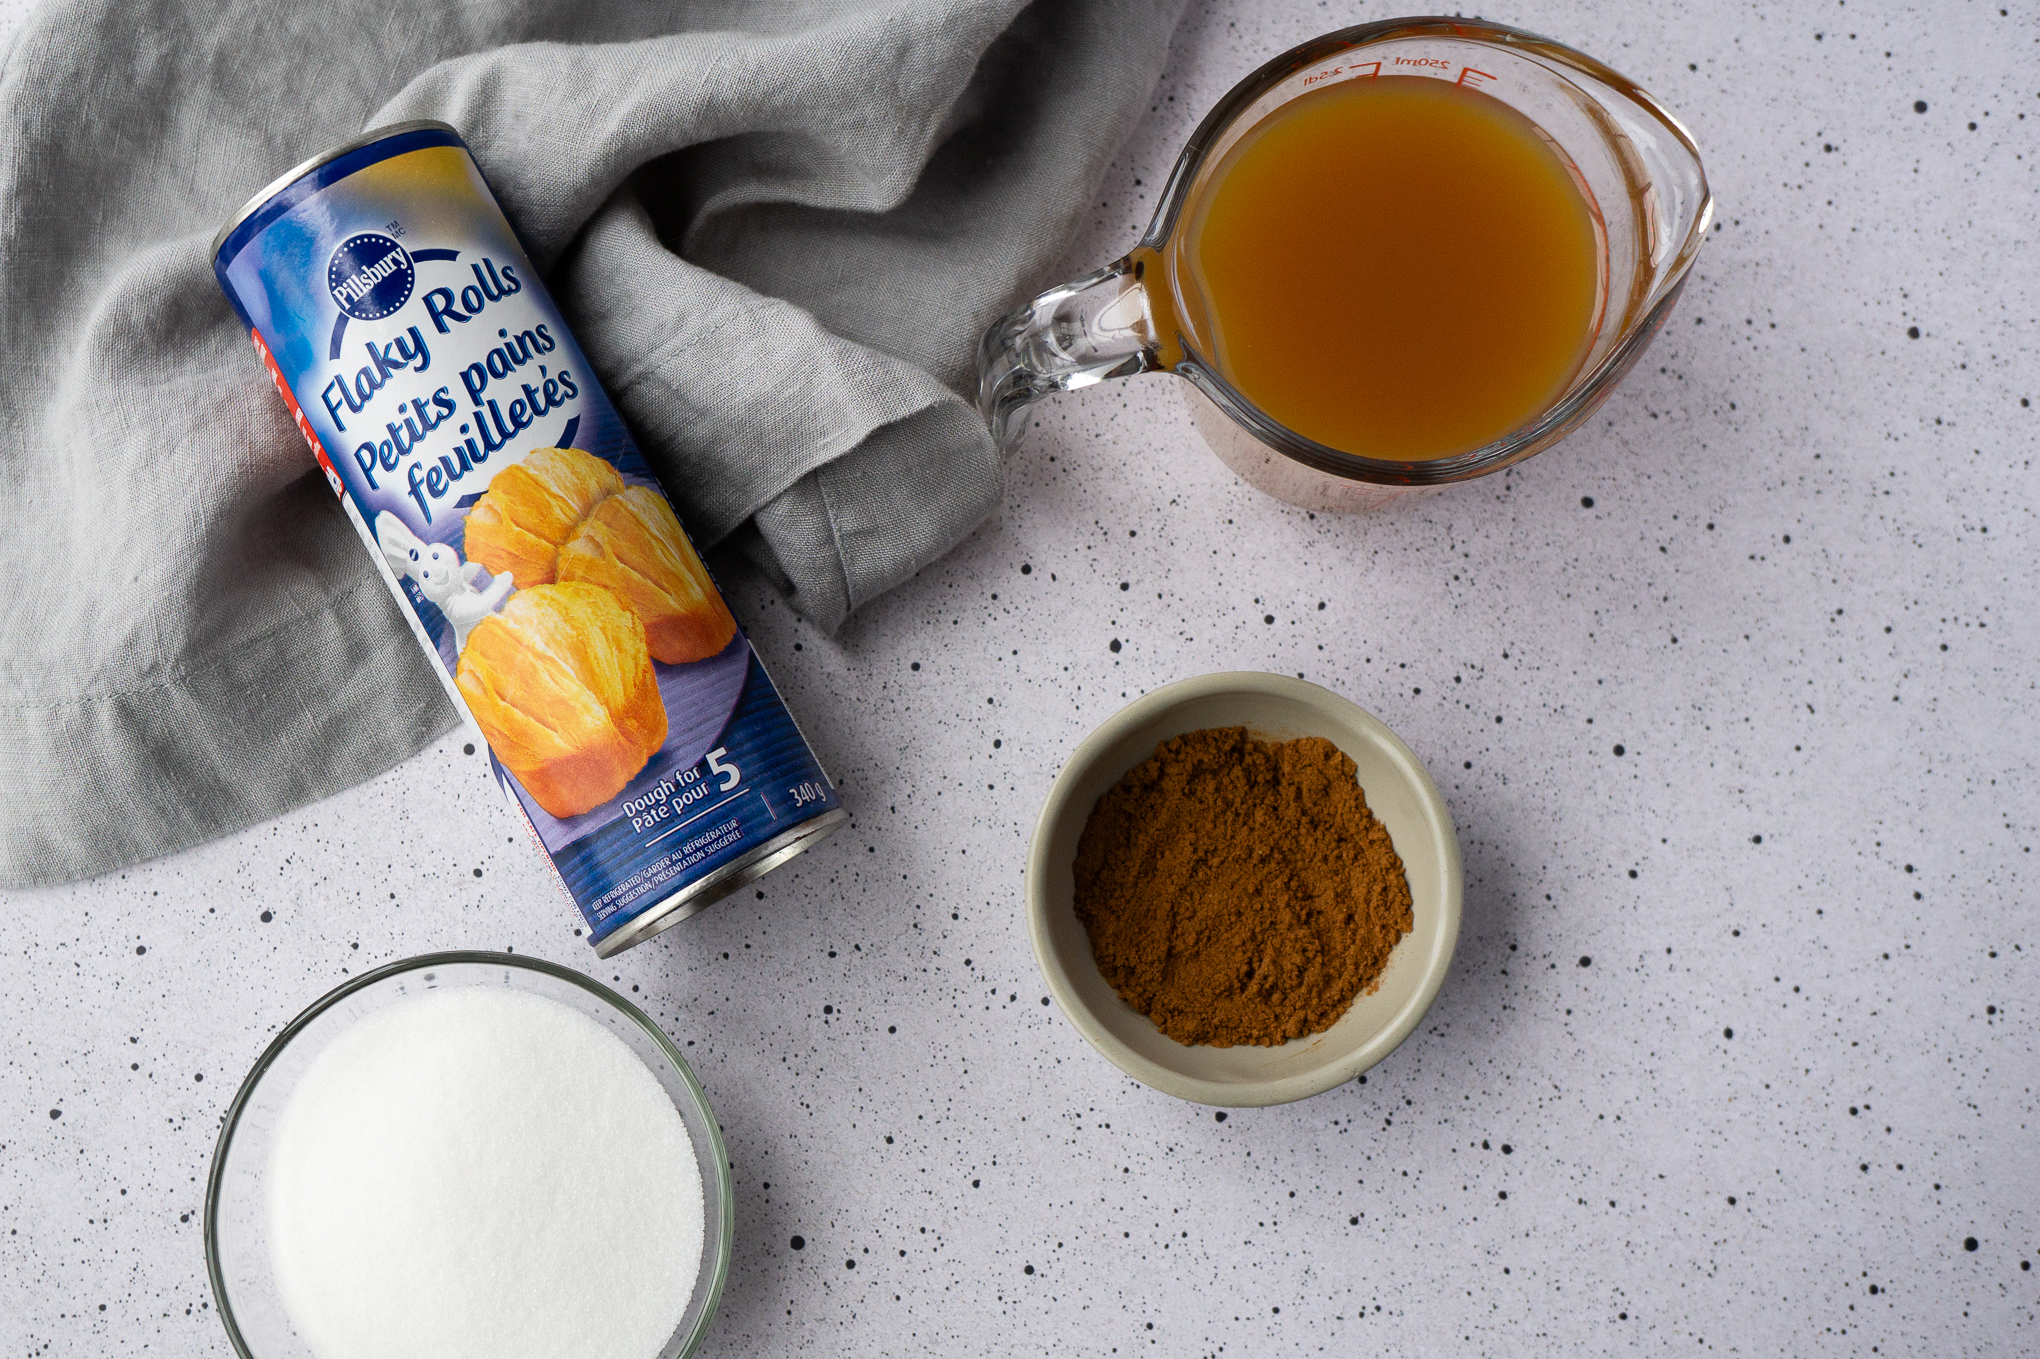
(527, 541)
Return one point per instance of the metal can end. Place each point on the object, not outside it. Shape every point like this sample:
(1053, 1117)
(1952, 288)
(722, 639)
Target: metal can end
(297, 172)
(697, 896)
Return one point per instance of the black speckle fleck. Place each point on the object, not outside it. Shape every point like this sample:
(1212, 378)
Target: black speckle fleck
(1728, 1033)
(1586, 502)
(1620, 751)
(140, 949)
(1026, 569)
(468, 749)
(849, 1264)
(1028, 1269)
(1969, 1243)
(1220, 1115)
(915, 666)
(1267, 618)
(798, 1243)
(1756, 839)
(268, 916)
(1586, 961)
(1114, 648)
(56, 1113)
(1919, 106)
(478, 872)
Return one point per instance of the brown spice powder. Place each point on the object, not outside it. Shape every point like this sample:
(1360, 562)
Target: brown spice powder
(1239, 891)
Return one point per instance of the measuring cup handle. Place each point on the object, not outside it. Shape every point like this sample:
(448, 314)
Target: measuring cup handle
(1101, 326)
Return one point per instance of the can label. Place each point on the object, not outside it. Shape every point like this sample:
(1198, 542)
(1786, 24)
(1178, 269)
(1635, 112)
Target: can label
(530, 544)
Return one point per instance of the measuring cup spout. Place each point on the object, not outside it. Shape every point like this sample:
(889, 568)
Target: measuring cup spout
(1100, 326)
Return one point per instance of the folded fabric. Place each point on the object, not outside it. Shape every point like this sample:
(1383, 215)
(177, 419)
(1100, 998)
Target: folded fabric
(777, 226)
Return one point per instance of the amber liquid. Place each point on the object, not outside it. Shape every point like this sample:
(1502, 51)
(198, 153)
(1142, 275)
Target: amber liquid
(1397, 267)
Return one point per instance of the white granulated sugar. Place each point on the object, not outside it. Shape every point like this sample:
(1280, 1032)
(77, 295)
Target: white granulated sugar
(483, 1173)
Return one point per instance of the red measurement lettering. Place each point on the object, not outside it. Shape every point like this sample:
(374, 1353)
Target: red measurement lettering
(1372, 68)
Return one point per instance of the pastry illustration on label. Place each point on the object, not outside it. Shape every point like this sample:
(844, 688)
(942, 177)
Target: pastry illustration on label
(539, 560)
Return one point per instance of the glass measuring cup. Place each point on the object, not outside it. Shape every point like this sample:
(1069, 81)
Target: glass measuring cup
(1636, 166)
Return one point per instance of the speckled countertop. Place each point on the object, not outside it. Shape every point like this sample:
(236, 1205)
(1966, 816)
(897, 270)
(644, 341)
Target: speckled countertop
(1733, 698)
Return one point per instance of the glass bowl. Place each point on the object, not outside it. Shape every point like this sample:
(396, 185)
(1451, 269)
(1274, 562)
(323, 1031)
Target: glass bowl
(236, 1220)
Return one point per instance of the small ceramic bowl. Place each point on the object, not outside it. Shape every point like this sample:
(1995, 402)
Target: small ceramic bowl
(1400, 793)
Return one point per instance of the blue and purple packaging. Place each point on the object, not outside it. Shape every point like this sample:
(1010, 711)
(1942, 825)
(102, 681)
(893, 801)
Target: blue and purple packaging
(527, 541)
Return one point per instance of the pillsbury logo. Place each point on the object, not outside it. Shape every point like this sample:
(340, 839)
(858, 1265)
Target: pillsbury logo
(370, 276)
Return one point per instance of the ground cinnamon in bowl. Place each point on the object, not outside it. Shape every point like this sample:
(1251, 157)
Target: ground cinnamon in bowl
(1240, 891)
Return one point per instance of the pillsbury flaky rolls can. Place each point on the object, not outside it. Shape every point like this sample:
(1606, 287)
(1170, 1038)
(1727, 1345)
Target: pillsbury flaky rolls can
(525, 538)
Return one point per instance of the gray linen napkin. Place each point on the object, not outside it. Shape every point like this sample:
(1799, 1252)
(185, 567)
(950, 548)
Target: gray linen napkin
(778, 227)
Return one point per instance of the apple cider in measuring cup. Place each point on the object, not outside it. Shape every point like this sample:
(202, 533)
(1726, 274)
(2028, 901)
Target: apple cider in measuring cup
(1399, 267)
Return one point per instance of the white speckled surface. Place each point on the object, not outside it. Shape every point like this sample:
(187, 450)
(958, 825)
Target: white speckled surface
(1800, 606)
